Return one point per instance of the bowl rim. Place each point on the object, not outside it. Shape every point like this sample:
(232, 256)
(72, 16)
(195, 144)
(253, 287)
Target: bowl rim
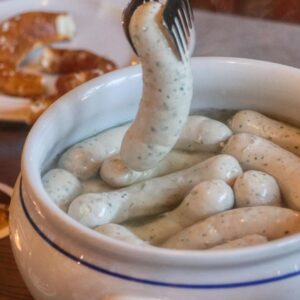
(95, 241)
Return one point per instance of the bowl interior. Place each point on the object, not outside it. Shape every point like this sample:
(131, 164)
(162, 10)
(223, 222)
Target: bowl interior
(112, 100)
(222, 83)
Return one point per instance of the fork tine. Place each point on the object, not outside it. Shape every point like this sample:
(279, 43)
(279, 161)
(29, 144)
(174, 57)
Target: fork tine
(183, 18)
(178, 20)
(184, 6)
(189, 12)
(177, 35)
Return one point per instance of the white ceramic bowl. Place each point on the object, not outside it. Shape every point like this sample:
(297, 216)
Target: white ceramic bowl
(60, 259)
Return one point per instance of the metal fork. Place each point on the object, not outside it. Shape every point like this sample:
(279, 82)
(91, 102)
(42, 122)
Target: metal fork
(178, 19)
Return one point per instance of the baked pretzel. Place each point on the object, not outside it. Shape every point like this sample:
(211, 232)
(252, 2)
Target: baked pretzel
(60, 61)
(18, 36)
(15, 82)
(22, 33)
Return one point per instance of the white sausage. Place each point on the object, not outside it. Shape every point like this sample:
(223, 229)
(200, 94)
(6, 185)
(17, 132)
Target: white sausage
(206, 199)
(256, 153)
(167, 91)
(84, 159)
(95, 185)
(269, 221)
(255, 188)
(286, 136)
(246, 241)
(152, 196)
(202, 134)
(121, 233)
(61, 186)
(116, 174)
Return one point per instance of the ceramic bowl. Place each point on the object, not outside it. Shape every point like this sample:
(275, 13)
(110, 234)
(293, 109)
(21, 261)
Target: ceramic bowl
(61, 259)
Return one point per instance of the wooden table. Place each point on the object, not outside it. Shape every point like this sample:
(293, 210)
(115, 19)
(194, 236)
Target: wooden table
(11, 141)
(217, 35)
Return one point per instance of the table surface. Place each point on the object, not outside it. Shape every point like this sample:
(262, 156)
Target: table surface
(217, 35)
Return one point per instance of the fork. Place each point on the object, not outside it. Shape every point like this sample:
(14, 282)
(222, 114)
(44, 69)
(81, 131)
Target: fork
(178, 19)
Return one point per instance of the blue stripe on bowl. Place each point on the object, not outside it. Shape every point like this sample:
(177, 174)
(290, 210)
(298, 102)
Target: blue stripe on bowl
(147, 281)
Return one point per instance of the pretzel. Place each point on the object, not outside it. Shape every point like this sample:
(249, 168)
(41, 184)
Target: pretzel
(15, 82)
(22, 33)
(69, 61)
(18, 36)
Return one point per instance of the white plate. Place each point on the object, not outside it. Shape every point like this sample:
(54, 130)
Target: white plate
(98, 24)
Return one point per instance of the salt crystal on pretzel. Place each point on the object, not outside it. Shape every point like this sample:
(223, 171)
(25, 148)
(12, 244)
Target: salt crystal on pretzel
(15, 82)
(22, 33)
(68, 61)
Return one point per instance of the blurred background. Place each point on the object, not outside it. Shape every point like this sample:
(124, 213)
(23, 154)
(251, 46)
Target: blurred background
(281, 10)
